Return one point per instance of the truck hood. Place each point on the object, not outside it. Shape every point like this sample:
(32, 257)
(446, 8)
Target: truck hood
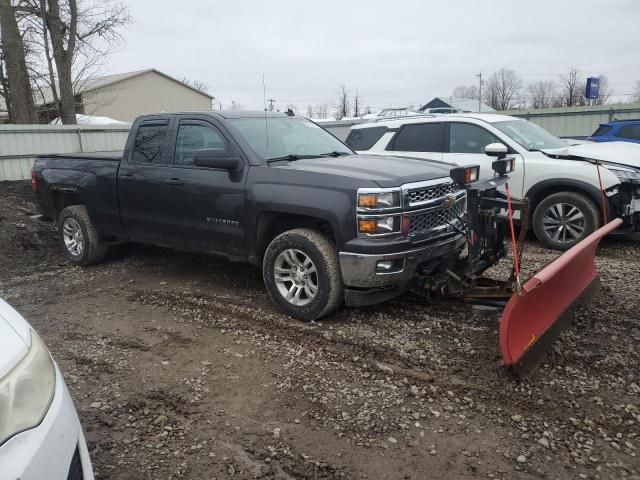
(385, 171)
(621, 153)
(15, 338)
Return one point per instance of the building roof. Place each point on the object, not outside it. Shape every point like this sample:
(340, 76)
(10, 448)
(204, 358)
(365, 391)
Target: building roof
(463, 104)
(87, 85)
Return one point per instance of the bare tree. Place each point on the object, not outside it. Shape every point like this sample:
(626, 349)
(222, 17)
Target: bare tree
(543, 93)
(197, 84)
(236, 105)
(74, 36)
(466, 91)
(356, 105)
(503, 88)
(309, 111)
(321, 110)
(342, 104)
(17, 84)
(572, 88)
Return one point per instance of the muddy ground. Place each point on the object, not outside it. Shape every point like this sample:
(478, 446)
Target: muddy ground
(180, 367)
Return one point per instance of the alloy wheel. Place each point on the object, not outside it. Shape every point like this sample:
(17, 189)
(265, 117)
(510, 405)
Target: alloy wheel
(73, 237)
(296, 277)
(564, 223)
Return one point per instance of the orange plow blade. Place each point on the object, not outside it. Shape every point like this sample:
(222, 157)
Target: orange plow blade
(535, 317)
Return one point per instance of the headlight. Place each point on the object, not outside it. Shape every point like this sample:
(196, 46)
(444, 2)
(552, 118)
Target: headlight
(625, 175)
(26, 391)
(382, 200)
(379, 225)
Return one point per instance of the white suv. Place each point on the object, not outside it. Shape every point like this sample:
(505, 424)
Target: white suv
(563, 188)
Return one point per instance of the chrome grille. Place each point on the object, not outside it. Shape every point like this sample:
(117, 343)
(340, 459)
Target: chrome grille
(422, 223)
(430, 193)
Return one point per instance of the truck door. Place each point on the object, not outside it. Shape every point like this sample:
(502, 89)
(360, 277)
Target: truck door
(141, 176)
(204, 205)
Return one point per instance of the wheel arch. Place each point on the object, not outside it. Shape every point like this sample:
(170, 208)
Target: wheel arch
(543, 189)
(272, 224)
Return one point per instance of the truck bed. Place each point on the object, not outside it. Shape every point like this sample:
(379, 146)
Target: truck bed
(115, 156)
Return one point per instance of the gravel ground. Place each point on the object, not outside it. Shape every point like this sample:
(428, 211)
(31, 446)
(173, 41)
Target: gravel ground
(180, 367)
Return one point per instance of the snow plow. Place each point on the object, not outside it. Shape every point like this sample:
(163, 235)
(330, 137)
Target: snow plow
(535, 311)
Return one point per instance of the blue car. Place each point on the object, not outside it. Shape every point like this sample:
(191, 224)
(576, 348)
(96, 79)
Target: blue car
(618, 131)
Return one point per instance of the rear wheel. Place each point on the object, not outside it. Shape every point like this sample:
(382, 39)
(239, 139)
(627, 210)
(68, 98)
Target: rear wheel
(78, 238)
(563, 219)
(302, 274)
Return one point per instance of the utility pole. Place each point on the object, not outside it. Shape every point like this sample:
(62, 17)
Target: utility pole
(271, 102)
(479, 91)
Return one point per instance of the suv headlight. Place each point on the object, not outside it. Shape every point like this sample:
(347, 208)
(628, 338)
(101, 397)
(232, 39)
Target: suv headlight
(26, 391)
(625, 175)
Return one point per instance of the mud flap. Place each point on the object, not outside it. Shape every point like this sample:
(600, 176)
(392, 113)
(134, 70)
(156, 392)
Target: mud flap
(535, 317)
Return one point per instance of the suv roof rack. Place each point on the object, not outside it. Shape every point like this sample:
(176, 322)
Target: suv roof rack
(404, 117)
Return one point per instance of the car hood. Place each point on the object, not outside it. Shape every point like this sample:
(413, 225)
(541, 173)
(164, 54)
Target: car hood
(15, 338)
(621, 153)
(385, 171)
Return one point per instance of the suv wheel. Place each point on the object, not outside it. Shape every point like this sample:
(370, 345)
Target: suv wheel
(78, 237)
(302, 274)
(563, 219)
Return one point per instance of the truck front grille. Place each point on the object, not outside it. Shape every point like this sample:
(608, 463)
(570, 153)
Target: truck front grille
(418, 196)
(428, 222)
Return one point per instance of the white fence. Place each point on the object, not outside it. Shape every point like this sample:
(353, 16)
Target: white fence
(19, 144)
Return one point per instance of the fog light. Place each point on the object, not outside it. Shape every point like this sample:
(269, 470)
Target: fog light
(390, 266)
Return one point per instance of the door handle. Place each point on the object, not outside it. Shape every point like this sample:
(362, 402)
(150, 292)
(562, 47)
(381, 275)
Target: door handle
(173, 181)
(127, 177)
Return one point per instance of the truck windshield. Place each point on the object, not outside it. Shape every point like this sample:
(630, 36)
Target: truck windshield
(529, 135)
(289, 138)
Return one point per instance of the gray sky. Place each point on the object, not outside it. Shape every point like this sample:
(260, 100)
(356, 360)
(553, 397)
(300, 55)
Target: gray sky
(393, 52)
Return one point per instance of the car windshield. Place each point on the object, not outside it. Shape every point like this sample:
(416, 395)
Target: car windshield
(289, 138)
(529, 135)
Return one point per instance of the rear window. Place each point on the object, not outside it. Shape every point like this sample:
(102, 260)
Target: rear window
(420, 137)
(632, 132)
(602, 130)
(365, 138)
(147, 147)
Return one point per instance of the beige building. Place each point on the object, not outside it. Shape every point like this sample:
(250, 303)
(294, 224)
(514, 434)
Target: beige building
(124, 96)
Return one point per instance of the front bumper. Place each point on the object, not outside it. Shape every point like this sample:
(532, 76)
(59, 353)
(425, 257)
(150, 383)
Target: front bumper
(360, 270)
(53, 449)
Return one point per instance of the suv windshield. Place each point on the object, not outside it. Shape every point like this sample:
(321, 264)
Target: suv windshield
(529, 135)
(289, 138)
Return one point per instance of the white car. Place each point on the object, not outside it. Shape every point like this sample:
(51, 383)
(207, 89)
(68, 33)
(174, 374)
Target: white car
(40, 434)
(562, 186)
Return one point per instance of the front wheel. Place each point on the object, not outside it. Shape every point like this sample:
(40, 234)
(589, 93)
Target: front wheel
(302, 274)
(563, 219)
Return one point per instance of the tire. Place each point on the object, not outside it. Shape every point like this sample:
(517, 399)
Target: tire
(296, 248)
(74, 225)
(580, 215)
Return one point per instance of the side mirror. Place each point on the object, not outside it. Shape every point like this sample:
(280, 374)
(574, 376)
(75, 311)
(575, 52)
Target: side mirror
(220, 159)
(498, 150)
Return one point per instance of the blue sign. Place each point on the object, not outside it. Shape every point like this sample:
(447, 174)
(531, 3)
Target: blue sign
(593, 87)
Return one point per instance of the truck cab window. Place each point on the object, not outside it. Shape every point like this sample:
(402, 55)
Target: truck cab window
(147, 146)
(467, 138)
(192, 137)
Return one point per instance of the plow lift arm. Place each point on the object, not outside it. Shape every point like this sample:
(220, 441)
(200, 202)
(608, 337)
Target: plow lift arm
(536, 311)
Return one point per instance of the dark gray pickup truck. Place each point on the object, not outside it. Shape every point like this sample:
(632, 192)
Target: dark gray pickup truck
(326, 225)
